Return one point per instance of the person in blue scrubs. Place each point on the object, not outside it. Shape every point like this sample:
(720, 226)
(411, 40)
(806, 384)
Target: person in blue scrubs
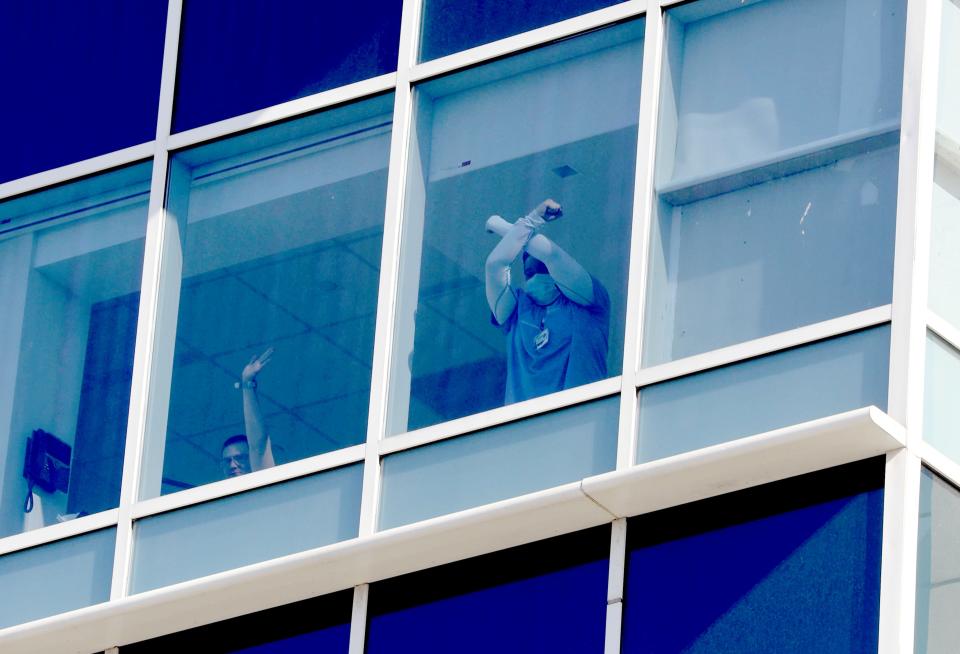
(557, 324)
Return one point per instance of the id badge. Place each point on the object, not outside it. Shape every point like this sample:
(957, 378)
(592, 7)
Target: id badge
(542, 338)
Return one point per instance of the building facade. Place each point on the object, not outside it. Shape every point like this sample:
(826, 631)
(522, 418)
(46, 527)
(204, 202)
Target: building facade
(460, 325)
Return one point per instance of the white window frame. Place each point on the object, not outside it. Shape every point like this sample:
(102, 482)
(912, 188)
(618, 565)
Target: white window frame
(607, 498)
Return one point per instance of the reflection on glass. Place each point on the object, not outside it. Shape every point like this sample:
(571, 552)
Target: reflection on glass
(319, 624)
(500, 462)
(237, 58)
(243, 529)
(938, 567)
(548, 596)
(108, 56)
(776, 171)
(763, 394)
(945, 240)
(948, 93)
(792, 566)
(941, 413)
(55, 578)
(282, 230)
(70, 266)
(452, 25)
(945, 233)
(518, 213)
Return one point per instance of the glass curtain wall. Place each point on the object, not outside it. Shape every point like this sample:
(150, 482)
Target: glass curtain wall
(518, 210)
(238, 530)
(776, 172)
(505, 461)
(58, 577)
(792, 566)
(70, 265)
(765, 393)
(943, 342)
(320, 624)
(544, 597)
(938, 566)
(280, 231)
(774, 201)
(453, 25)
(80, 80)
(238, 58)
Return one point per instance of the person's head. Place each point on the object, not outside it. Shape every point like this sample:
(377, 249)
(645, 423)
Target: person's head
(538, 283)
(235, 456)
(533, 266)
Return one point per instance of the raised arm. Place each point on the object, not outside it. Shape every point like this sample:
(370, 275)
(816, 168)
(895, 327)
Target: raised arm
(571, 278)
(261, 451)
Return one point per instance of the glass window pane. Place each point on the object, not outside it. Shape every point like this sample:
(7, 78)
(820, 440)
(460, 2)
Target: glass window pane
(500, 462)
(242, 529)
(945, 239)
(492, 144)
(787, 567)
(245, 56)
(941, 414)
(55, 578)
(86, 80)
(945, 234)
(541, 598)
(281, 258)
(938, 566)
(948, 94)
(452, 25)
(70, 265)
(320, 625)
(776, 169)
(765, 393)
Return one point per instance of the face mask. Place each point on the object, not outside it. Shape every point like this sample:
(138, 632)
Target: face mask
(541, 289)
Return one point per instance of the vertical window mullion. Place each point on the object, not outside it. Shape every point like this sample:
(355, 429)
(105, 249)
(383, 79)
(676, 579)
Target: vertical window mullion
(358, 620)
(150, 323)
(389, 266)
(615, 584)
(640, 233)
(908, 329)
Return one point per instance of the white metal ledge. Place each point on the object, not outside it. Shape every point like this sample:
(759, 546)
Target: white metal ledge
(746, 462)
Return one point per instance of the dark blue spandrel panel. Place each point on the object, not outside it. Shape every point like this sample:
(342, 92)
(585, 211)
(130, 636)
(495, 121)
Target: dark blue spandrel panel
(239, 57)
(453, 25)
(792, 566)
(545, 597)
(80, 79)
(321, 624)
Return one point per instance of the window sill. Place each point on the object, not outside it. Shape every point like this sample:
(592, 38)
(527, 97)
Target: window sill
(781, 164)
(687, 477)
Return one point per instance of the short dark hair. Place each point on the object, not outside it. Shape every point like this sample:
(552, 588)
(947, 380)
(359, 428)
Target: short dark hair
(236, 438)
(537, 267)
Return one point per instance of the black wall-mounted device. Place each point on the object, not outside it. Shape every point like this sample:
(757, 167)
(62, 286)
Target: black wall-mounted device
(47, 463)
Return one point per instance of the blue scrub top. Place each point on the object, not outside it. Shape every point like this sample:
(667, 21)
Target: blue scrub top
(575, 352)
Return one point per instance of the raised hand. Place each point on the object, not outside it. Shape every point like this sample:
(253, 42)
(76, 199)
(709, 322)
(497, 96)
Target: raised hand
(549, 209)
(257, 362)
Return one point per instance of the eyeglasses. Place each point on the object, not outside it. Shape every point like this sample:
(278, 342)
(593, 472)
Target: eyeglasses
(242, 461)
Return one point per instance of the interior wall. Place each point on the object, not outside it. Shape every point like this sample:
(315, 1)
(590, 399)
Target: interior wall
(781, 74)
(14, 271)
(48, 386)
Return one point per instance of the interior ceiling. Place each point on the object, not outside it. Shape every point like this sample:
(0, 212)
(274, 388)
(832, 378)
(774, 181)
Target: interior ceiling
(301, 275)
(313, 298)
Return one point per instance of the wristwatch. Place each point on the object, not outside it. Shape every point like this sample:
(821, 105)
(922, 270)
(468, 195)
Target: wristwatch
(245, 384)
